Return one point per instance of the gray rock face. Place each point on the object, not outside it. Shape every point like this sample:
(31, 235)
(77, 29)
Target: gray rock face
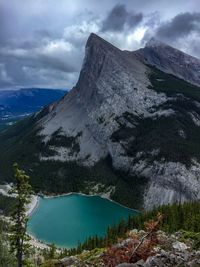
(171, 60)
(112, 106)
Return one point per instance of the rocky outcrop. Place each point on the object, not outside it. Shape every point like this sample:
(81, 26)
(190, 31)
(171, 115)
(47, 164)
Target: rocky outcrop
(169, 253)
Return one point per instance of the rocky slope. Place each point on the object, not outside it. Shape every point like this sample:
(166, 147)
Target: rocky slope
(171, 250)
(170, 60)
(147, 122)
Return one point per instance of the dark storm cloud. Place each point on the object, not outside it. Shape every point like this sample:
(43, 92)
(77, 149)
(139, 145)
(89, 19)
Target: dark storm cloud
(180, 26)
(20, 63)
(37, 57)
(118, 17)
(27, 72)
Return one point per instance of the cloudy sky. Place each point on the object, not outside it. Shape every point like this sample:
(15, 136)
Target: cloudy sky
(42, 41)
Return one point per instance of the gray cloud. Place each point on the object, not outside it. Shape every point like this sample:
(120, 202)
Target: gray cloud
(196, 47)
(53, 56)
(180, 26)
(42, 44)
(119, 17)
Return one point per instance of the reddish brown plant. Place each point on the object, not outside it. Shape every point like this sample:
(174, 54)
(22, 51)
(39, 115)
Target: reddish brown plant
(136, 247)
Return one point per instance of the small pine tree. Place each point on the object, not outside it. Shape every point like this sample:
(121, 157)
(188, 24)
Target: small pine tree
(18, 238)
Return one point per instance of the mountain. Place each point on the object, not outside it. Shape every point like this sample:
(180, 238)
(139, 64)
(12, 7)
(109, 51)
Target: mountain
(30, 98)
(170, 60)
(128, 129)
(16, 104)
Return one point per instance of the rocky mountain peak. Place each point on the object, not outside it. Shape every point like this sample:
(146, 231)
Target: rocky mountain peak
(99, 55)
(97, 41)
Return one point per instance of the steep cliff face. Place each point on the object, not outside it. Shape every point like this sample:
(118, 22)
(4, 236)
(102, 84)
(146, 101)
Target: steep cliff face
(145, 120)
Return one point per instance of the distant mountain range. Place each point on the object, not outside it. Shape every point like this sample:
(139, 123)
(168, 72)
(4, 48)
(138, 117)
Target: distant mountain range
(129, 129)
(16, 104)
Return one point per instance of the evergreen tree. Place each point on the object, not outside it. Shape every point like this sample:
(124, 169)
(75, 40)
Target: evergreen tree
(6, 258)
(18, 238)
(52, 251)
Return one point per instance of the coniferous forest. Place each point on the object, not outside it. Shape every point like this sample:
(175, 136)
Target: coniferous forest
(176, 217)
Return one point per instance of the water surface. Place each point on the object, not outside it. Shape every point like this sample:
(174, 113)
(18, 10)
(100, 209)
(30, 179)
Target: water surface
(67, 220)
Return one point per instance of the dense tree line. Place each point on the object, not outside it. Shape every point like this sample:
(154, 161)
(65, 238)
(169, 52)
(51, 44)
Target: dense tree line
(175, 217)
(7, 205)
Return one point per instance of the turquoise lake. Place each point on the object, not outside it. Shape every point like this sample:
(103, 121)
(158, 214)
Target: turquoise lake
(67, 220)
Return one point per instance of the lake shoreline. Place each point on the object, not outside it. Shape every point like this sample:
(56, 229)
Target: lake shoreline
(89, 195)
(35, 200)
(35, 203)
(36, 243)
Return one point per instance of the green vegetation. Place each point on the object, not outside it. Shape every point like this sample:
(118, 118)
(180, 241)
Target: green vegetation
(157, 132)
(166, 130)
(7, 205)
(4, 124)
(193, 236)
(18, 237)
(91, 257)
(171, 85)
(6, 257)
(183, 218)
(60, 140)
(176, 217)
(152, 134)
(21, 143)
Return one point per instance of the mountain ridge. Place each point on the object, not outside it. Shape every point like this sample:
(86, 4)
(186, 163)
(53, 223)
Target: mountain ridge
(170, 60)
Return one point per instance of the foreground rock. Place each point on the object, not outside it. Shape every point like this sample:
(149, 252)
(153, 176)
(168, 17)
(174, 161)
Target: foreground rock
(170, 252)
